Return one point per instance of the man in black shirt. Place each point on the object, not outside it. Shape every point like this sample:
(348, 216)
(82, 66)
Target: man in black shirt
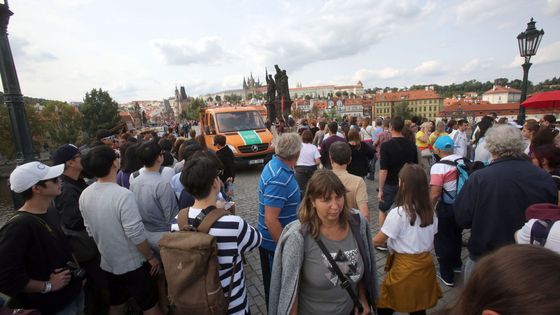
(34, 252)
(394, 154)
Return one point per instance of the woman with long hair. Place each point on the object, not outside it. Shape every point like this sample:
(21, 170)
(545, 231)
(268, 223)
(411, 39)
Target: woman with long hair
(328, 236)
(362, 153)
(410, 285)
(480, 151)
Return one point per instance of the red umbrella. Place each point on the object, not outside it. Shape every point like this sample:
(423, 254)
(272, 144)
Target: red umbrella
(549, 99)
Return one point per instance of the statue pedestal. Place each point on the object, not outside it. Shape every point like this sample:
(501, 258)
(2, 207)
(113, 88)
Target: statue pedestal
(275, 110)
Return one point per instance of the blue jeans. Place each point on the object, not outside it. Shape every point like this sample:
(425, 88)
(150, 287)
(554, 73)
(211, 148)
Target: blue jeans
(76, 307)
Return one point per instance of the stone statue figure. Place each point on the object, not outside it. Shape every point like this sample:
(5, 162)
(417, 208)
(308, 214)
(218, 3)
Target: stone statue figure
(282, 84)
(271, 89)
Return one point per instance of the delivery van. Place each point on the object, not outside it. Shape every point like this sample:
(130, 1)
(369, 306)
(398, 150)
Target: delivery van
(244, 129)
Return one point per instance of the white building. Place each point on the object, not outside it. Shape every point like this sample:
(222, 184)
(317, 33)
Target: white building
(502, 95)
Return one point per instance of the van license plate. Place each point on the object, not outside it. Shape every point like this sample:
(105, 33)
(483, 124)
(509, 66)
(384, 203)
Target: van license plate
(259, 161)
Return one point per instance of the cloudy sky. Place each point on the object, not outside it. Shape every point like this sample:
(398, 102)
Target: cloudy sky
(140, 50)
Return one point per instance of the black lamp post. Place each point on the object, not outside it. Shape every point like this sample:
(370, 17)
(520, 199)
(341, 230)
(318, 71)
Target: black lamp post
(12, 93)
(13, 97)
(528, 44)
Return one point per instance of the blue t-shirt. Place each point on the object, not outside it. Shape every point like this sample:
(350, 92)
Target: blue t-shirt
(278, 188)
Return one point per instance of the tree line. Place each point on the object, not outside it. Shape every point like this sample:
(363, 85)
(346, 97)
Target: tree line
(459, 89)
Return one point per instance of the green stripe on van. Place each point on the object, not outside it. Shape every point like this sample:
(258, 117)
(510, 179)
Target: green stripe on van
(250, 137)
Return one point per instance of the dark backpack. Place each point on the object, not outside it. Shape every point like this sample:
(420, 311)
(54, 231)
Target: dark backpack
(465, 168)
(190, 260)
(540, 231)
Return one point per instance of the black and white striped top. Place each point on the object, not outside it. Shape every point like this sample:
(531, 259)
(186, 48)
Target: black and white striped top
(234, 236)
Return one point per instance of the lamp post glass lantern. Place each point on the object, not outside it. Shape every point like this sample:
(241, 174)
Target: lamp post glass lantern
(528, 42)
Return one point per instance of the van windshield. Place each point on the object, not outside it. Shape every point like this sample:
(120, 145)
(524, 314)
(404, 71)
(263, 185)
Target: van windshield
(236, 121)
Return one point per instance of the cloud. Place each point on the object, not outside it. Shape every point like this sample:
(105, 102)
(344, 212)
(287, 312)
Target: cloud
(480, 10)
(385, 73)
(207, 50)
(335, 30)
(552, 7)
(545, 55)
(23, 50)
(430, 68)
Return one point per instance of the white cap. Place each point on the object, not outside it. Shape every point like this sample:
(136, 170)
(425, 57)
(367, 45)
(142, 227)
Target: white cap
(29, 174)
(513, 123)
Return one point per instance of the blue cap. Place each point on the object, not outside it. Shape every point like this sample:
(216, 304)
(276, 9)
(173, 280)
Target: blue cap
(444, 143)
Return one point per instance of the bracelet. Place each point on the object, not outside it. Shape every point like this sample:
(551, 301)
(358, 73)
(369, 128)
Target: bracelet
(47, 287)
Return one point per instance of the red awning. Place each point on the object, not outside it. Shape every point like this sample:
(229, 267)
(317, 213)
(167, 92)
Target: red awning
(549, 99)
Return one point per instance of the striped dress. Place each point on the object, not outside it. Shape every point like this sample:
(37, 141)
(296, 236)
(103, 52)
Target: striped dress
(234, 236)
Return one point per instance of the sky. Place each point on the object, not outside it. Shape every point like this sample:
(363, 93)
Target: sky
(141, 50)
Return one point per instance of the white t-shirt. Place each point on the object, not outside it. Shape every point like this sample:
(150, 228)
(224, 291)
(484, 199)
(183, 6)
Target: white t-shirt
(523, 236)
(481, 153)
(308, 154)
(460, 139)
(407, 239)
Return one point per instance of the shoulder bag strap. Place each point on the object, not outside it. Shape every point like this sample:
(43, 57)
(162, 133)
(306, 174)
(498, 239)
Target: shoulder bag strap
(344, 282)
(183, 219)
(210, 218)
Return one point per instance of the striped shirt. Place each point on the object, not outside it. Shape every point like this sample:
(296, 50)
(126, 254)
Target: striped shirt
(234, 237)
(278, 188)
(445, 176)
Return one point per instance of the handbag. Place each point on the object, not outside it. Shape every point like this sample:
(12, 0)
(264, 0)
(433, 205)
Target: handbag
(344, 281)
(83, 246)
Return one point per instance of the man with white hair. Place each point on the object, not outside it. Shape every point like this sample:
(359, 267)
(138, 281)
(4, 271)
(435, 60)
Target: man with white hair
(279, 197)
(492, 203)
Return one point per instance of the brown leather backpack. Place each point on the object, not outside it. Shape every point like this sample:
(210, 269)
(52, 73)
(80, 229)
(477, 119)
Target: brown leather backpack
(190, 260)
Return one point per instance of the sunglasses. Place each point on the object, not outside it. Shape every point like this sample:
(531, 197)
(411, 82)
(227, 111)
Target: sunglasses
(44, 182)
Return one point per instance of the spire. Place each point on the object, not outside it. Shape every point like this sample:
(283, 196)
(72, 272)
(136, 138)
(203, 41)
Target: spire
(244, 84)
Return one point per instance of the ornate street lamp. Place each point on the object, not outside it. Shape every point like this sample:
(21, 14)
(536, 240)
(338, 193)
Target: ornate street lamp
(12, 92)
(13, 97)
(528, 44)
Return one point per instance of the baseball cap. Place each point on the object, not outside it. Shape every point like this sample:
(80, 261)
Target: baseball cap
(29, 174)
(515, 124)
(444, 142)
(543, 211)
(65, 153)
(103, 133)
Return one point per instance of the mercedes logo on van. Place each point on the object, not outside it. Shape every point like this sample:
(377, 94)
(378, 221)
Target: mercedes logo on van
(255, 148)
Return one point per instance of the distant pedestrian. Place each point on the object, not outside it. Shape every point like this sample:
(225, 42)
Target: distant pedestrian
(327, 142)
(308, 160)
(459, 136)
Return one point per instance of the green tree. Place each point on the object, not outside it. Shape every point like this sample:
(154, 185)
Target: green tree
(62, 122)
(401, 109)
(345, 94)
(193, 108)
(307, 97)
(218, 98)
(100, 110)
(210, 99)
(338, 94)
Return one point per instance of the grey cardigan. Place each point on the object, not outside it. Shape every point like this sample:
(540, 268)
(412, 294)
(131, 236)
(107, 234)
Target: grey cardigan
(288, 261)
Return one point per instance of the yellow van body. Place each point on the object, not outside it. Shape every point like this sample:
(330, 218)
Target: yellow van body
(244, 129)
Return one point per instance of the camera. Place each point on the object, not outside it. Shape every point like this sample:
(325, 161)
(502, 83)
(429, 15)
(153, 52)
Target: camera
(75, 271)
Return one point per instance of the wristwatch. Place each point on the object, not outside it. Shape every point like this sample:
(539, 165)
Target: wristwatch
(47, 287)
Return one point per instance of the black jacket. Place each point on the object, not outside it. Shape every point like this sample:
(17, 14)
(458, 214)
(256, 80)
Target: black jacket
(67, 203)
(226, 156)
(493, 201)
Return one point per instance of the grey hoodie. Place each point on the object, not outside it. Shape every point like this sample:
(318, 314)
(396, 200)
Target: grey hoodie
(288, 261)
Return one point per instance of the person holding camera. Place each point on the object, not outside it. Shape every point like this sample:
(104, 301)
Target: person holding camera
(36, 265)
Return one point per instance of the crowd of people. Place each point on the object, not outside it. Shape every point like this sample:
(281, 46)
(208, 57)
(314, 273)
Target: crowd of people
(88, 237)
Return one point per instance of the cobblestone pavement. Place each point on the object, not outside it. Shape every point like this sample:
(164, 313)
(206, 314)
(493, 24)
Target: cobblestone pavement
(247, 207)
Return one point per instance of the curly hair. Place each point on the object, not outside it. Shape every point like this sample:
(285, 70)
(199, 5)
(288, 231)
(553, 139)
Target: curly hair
(504, 141)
